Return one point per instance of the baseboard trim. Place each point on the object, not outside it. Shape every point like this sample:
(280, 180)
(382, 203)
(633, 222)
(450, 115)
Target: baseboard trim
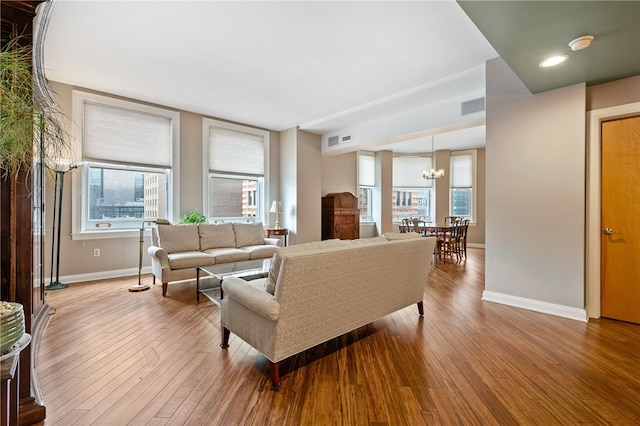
(475, 245)
(103, 275)
(536, 305)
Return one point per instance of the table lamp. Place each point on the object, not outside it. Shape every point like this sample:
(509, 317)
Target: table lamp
(276, 207)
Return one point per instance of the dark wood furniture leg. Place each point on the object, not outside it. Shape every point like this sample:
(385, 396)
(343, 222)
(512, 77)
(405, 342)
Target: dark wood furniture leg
(164, 289)
(420, 308)
(275, 376)
(225, 338)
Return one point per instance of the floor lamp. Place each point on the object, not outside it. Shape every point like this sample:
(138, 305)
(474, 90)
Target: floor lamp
(57, 219)
(140, 286)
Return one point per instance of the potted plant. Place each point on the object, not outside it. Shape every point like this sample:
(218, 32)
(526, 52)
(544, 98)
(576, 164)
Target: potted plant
(31, 129)
(193, 216)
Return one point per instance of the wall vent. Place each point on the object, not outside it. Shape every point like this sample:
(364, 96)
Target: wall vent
(346, 139)
(334, 140)
(472, 106)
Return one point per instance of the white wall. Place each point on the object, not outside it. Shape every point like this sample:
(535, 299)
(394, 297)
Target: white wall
(300, 185)
(340, 173)
(535, 195)
(382, 209)
(309, 177)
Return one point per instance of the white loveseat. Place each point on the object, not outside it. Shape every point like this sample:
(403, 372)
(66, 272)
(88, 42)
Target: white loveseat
(319, 291)
(176, 250)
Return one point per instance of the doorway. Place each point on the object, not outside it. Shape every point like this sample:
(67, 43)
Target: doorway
(620, 219)
(593, 218)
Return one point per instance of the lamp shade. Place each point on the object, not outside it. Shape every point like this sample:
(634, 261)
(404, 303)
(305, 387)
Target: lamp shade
(276, 207)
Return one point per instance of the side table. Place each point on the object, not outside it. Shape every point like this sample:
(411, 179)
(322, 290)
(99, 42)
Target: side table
(283, 232)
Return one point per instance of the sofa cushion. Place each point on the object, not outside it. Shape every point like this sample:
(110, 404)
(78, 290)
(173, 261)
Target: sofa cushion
(190, 259)
(216, 236)
(298, 248)
(249, 234)
(225, 255)
(179, 238)
(261, 252)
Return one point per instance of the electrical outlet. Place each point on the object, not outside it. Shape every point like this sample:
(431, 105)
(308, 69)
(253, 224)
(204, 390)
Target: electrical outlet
(96, 252)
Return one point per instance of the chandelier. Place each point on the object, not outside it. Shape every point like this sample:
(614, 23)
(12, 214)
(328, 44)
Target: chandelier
(433, 173)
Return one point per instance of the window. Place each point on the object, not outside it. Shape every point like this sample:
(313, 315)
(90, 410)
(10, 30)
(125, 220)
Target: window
(235, 167)
(366, 185)
(462, 191)
(117, 195)
(127, 153)
(412, 195)
(232, 198)
(403, 199)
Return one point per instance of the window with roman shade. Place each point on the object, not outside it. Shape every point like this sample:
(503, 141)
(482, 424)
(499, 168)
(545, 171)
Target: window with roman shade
(412, 195)
(366, 185)
(236, 172)
(128, 161)
(462, 184)
(123, 136)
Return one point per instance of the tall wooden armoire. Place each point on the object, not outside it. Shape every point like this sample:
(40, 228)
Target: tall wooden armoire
(340, 216)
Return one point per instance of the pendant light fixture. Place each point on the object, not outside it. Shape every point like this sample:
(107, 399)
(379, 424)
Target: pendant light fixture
(433, 173)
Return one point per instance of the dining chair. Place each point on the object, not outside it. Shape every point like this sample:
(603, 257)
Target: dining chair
(419, 226)
(463, 238)
(450, 242)
(450, 220)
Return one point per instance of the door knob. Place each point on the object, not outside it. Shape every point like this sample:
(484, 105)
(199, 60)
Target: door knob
(609, 231)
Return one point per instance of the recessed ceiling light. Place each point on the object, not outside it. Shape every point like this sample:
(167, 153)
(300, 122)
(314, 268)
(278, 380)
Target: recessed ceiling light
(552, 61)
(581, 42)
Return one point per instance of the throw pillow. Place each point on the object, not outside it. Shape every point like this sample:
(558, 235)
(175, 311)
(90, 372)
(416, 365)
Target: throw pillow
(249, 234)
(216, 236)
(179, 238)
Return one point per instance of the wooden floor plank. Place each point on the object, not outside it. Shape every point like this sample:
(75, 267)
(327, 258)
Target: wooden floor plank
(109, 356)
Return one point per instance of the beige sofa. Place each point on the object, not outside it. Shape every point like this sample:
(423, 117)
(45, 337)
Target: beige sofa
(318, 291)
(176, 250)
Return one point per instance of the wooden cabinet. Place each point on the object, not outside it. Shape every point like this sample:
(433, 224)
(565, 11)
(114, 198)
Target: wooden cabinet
(340, 216)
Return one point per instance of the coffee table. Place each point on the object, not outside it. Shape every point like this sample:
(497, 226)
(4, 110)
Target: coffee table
(245, 269)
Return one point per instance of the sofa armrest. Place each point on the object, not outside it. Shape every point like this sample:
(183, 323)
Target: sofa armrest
(252, 297)
(274, 242)
(160, 254)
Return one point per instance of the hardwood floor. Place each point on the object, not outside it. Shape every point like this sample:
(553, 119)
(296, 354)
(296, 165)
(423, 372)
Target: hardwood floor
(112, 357)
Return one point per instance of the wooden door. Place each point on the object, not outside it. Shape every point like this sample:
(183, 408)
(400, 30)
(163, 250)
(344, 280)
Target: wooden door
(620, 244)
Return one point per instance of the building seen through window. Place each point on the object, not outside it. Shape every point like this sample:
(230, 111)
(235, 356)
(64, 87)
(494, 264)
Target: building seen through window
(120, 195)
(232, 199)
(412, 202)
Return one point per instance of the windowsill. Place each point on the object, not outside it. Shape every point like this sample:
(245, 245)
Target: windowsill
(112, 234)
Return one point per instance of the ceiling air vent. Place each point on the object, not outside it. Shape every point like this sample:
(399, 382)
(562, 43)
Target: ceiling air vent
(346, 139)
(475, 105)
(334, 140)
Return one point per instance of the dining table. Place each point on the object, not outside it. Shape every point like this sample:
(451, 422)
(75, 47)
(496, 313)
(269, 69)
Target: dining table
(426, 229)
(432, 230)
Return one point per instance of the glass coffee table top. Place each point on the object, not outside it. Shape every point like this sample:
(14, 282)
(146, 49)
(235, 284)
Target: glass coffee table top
(209, 278)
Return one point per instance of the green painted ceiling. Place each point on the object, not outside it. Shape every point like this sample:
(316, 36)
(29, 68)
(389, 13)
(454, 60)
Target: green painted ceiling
(525, 32)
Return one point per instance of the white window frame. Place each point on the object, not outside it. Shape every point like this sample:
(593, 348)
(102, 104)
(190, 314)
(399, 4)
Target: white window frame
(81, 228)
(474, 183)
(412, 183)
(366, 182)
(263, 195)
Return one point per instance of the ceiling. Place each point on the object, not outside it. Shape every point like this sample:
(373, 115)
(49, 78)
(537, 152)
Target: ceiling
(525, 32)
(324, 66)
